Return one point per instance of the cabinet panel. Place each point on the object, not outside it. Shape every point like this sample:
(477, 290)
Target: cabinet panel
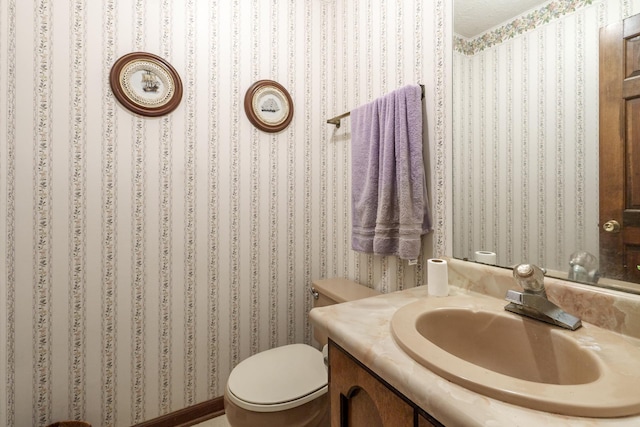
(358, 399)
(424, 422)
(358, 409)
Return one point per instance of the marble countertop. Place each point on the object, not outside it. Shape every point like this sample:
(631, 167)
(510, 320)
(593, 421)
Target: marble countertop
(363, 329)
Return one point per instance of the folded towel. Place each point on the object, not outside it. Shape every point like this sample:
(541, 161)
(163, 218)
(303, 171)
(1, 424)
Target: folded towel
(390, 208)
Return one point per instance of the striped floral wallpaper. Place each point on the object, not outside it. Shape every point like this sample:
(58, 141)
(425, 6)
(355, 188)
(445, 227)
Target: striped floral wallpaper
(411, 44)
(143, 258)
(525, 154)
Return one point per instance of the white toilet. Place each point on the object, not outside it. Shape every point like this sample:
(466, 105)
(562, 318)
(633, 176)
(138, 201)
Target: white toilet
(287, 386)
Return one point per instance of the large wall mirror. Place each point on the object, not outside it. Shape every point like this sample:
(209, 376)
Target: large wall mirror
(526, 133)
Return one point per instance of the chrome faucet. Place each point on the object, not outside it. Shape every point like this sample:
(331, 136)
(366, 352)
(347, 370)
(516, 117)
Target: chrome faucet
(533, 302)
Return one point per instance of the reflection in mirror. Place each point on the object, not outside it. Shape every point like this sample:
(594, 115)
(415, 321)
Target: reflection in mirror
(525, 152)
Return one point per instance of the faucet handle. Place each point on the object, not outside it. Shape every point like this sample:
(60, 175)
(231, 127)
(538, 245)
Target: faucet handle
(530, 277)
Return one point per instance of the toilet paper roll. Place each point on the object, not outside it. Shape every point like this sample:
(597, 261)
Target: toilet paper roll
(437, 277)
(486, 257)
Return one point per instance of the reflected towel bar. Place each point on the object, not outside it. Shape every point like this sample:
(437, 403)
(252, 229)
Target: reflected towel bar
(336, 120)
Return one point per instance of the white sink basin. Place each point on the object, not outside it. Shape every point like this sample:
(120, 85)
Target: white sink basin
(473, 342)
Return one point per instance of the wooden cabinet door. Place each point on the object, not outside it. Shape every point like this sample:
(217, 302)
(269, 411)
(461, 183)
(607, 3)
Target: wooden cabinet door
(425, 422)
(620, 150)
(358, 399)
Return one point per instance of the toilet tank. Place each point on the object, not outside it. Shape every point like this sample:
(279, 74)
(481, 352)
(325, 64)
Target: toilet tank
(335, 291)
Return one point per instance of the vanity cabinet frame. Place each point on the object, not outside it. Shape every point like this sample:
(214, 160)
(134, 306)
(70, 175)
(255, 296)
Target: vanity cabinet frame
(360, 397)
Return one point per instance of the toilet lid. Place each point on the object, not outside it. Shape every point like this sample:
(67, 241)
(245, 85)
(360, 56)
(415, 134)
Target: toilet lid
(280, 375)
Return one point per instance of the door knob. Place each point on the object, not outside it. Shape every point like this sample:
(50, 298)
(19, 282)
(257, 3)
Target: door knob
(611, 226)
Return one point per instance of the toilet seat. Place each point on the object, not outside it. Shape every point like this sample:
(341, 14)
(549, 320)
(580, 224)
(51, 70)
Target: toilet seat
(278, 379)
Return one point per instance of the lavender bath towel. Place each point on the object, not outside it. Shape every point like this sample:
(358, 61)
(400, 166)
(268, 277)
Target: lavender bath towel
(390, 208)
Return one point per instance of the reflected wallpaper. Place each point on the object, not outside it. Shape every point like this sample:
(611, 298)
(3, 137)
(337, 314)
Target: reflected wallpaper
(526, 135)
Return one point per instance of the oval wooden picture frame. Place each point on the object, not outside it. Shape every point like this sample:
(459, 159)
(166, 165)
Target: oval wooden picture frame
(268, 106)
(146, 84)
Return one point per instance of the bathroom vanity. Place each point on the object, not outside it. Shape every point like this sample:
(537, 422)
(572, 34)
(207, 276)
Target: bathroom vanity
(375, 382)
(363, 399)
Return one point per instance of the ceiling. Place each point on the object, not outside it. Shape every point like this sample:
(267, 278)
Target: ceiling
(474, 17)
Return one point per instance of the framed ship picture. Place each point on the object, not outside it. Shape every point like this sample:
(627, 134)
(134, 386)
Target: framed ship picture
(146, 84)
(268, 106)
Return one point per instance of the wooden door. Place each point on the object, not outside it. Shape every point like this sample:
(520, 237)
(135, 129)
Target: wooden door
(620, 150)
